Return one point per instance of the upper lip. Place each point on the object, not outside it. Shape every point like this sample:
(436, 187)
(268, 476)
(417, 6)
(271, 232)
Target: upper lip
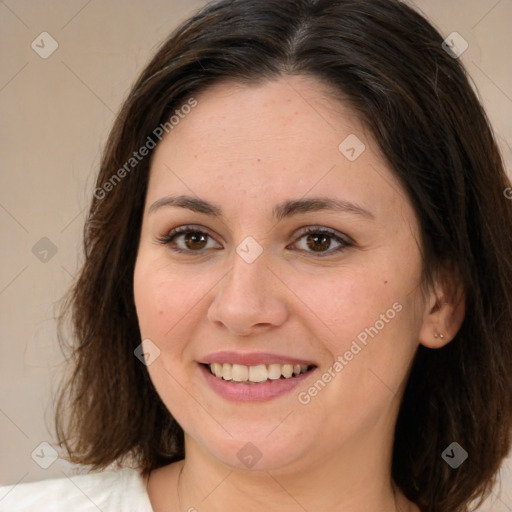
(252, 359)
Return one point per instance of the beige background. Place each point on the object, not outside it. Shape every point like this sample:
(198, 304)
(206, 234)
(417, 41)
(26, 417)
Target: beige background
(56, 114)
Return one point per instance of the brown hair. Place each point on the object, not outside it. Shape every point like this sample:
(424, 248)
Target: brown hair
(387, 62)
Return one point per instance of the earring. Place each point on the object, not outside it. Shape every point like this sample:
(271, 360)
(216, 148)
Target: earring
(438, 335)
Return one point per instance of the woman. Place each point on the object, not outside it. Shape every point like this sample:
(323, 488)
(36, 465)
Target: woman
(297, 286)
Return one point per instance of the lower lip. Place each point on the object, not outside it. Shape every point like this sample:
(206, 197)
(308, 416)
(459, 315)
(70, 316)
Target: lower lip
(252, 392)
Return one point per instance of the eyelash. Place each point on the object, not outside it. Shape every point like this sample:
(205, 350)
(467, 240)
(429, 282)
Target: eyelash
(169, 238)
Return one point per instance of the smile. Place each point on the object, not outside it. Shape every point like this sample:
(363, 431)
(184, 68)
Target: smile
(256, 374)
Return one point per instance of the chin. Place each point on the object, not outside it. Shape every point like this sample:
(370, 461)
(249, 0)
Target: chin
(255, 451)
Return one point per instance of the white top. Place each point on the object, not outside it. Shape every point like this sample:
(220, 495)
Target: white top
(114, 491)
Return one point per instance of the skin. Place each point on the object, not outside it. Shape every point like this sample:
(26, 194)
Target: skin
(247, 148)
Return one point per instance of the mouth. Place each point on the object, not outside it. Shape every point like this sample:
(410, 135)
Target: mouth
(256, 374)
(254, 377)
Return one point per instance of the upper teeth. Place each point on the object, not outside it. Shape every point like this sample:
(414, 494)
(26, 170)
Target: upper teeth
(258, 373)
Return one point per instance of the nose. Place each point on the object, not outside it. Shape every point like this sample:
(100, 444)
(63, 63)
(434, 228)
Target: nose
(250, 298)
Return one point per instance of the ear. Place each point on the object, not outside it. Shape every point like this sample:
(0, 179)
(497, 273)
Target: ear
(444, 310)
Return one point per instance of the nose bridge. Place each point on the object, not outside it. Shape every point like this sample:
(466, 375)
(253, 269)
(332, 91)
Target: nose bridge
(248, 275)
(247, 284)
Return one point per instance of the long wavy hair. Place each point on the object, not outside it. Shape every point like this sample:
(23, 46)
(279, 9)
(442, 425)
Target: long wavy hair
(388, 63)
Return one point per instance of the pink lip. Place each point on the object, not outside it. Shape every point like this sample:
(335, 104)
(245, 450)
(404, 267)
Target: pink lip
(240, 392)
(252, 359)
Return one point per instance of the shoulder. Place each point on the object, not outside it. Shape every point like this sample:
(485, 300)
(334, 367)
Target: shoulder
(108, 491)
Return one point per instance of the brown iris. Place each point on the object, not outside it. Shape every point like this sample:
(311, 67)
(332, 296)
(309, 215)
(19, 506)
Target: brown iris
(195, 237)
(316, 238)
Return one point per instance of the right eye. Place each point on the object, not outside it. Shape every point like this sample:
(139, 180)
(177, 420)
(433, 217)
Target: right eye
(193, 239)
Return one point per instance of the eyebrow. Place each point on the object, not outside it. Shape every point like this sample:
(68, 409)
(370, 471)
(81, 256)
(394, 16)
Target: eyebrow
(280, 211)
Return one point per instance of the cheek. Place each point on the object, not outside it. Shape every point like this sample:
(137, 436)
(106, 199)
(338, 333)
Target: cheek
(369, 314)
(170, 304)
(352, 299)
(162, 302)
(160, 299)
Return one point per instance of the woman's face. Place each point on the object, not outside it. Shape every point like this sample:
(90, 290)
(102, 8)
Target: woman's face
(255, 294)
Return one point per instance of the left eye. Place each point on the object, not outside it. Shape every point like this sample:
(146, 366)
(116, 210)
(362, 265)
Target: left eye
(195, 240)
(321, 238)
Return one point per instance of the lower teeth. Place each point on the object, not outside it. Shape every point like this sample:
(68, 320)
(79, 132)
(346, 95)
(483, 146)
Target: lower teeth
(250, 382)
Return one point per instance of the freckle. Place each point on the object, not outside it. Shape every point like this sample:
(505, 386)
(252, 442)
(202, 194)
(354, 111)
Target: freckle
(385, 282)
(259, 159)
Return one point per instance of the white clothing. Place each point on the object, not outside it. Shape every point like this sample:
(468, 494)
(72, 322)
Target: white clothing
(114, 491)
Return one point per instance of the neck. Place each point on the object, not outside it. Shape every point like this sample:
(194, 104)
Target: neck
(356, 480)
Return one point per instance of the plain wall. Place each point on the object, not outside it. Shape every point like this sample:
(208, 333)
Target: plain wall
(56, 114)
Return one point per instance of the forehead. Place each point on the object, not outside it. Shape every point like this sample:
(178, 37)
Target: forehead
(267, 119)
(272, 141)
